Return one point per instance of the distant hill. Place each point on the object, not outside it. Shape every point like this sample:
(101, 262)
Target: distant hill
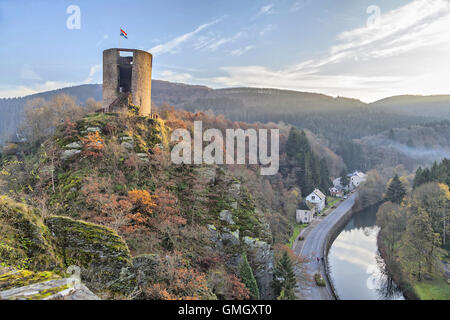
(409, 146)
(244, 104)
(338, 120)
(434, 106)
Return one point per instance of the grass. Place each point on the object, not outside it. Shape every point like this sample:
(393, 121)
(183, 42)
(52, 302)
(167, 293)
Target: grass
(331, 201)
(433, 290)
(297, 229)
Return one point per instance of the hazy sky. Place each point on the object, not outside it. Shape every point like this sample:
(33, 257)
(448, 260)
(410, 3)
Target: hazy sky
(336, 47)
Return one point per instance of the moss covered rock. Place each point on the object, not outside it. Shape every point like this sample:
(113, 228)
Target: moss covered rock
(100, 252)
(20, 278)
(24, 239)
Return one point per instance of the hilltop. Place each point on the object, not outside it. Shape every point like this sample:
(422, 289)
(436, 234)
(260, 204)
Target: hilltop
(101, 193)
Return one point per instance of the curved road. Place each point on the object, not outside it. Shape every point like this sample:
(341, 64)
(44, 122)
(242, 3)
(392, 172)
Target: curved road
(314, 246)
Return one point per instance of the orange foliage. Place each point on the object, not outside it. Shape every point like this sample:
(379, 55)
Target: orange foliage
(235, 289)
(167, 212)
(93, 145)
(178, 282)
(142, 200)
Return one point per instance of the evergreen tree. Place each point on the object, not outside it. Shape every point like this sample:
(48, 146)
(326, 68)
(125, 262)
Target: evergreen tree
(309, 171)
(396, 191)
(315, 167)
(325, 182)
(418, 178)
(284, 280)
(248, 278)
(344, 179)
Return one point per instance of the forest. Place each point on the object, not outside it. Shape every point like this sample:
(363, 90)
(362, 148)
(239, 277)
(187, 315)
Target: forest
(414, 236)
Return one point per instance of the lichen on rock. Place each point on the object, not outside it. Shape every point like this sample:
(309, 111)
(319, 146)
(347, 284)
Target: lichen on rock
(99, 251)
(24, 239)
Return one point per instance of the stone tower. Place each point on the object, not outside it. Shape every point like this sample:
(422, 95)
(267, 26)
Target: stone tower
(125, 72)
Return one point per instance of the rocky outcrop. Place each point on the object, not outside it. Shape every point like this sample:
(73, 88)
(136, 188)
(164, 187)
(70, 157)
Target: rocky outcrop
(28, 285)
(24, 239)
(68, 154)
(99, 252)
(226, 216)
(261, 258)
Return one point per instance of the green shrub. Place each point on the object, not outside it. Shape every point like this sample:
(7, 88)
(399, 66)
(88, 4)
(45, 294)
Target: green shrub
(248, 278)
(319, 280)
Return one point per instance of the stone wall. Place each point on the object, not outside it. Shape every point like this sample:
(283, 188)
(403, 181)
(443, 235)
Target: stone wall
(141, 78)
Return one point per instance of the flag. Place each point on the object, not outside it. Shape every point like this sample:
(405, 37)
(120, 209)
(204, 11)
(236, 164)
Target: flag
(123, 33)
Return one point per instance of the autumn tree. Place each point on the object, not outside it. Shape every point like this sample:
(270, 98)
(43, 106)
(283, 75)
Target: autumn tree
(143, 205)
(93, 145)
(42, 117)
(391, 218)
(421, 243)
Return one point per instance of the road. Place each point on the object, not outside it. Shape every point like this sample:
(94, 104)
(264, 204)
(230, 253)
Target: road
(313, 247)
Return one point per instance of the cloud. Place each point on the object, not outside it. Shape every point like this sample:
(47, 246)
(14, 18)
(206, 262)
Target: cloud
(299, 5)
(406, 54)
(241, 51)
(214, 45)
(265, 10)
(175, 76)
(92, 72)
(27, 73)
(22, 90)
(267, 29)
(173, 45)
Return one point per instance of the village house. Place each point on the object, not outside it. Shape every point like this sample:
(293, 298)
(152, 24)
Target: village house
(337, 192)
(355, 179)
(317, 198)
(305, 213)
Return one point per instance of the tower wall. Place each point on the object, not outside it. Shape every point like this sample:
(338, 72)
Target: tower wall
(141, 77)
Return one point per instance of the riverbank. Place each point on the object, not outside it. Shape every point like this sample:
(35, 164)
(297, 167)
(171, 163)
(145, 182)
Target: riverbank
(425, 290)
(394, 270)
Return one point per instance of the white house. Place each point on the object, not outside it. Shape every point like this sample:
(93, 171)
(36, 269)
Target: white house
(336, 192)
(355, 179)
(317, 198)
(304, 214)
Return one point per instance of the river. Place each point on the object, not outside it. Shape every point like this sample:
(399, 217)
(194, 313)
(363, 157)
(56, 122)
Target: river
(356, 268)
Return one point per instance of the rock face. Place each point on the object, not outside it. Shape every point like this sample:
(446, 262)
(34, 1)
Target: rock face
(127, 145)
(99, 252)
(226, 216)
(74, 145)
(28, 285)
(240, 228)
(206, 174)
(24, 237)
(67, 154)
(261, 259)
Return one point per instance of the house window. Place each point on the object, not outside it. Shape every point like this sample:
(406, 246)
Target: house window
(313, 197)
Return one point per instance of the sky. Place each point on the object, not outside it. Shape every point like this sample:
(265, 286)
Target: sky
(360, 49)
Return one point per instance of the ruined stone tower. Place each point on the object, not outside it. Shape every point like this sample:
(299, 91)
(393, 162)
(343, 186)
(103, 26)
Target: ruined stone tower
(125, 72)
